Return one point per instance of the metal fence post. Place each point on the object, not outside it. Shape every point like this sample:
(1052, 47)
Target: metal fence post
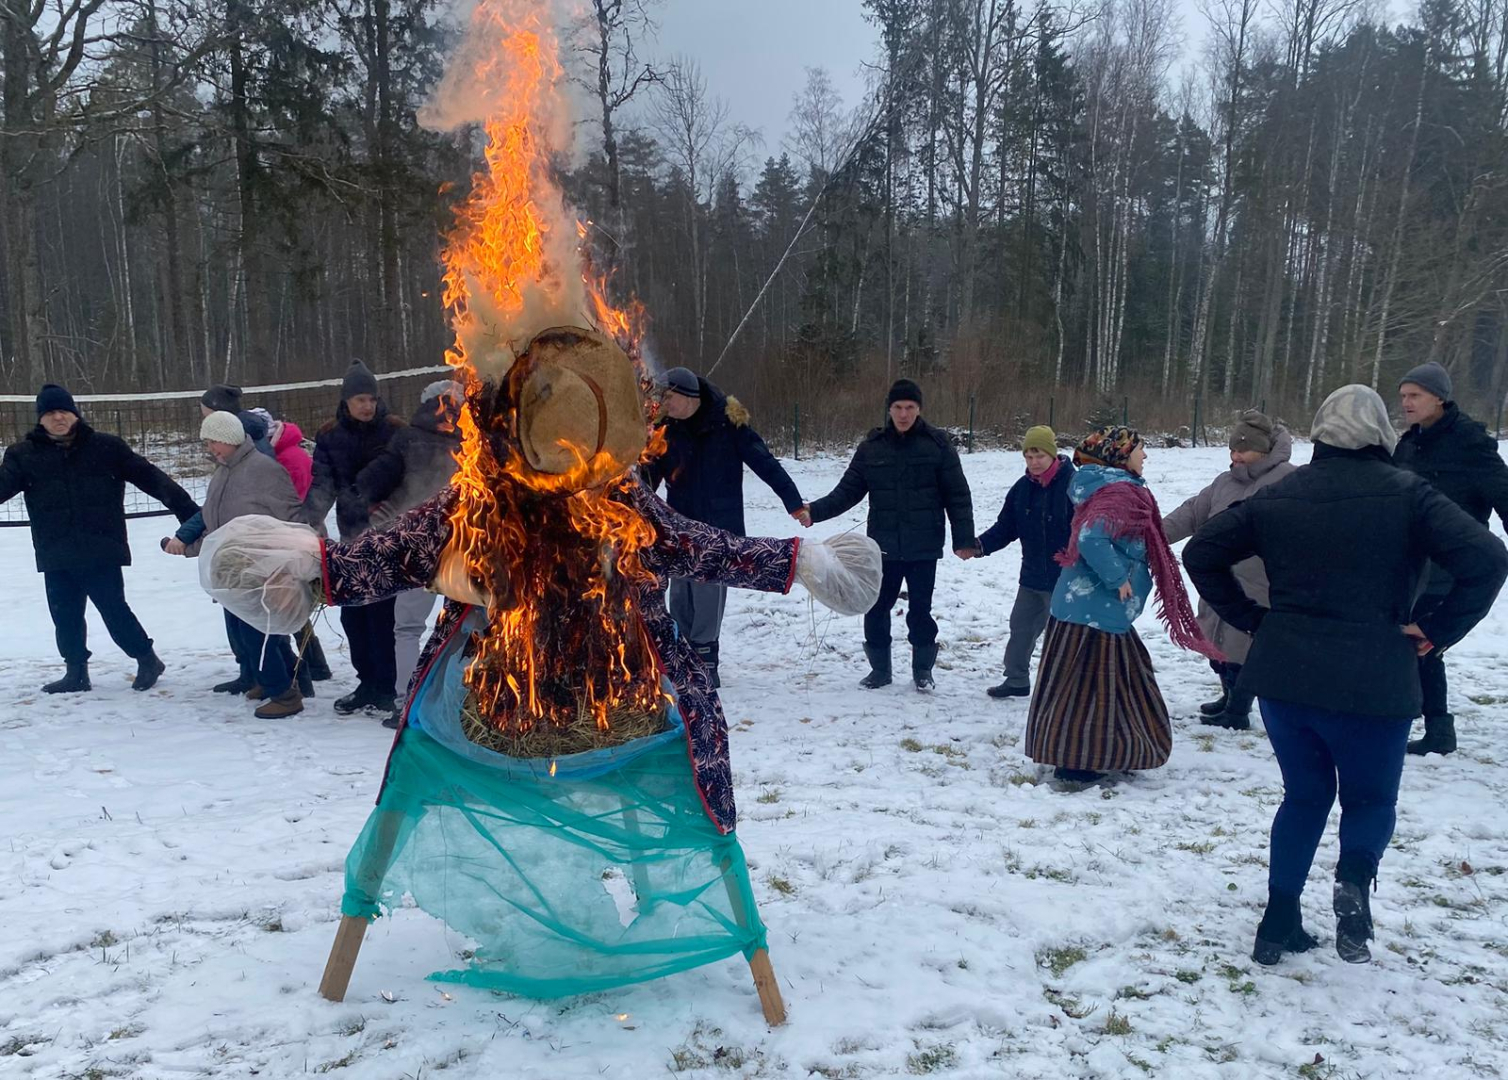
(796, 433)
(1125, 412)
(1194, 431)
(1052, 408)
(971, 423)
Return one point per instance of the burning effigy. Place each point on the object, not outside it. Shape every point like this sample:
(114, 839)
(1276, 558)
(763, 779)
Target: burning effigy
(559, 792)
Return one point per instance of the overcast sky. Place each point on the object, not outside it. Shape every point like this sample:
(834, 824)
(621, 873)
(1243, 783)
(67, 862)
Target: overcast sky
(755, 53)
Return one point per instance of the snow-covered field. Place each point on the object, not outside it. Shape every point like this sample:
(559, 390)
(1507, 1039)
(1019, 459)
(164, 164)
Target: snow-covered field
(172, 871)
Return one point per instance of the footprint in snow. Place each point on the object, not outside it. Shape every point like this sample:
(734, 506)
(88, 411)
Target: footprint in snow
(63, 855)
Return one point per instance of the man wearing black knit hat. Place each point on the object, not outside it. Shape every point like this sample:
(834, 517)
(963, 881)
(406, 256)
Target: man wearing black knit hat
(914, 479)
(1456, 455)
(342, 449)
(74, 480)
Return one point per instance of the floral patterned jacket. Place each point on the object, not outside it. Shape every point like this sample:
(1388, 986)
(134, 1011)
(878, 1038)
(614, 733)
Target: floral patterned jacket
(407, 554)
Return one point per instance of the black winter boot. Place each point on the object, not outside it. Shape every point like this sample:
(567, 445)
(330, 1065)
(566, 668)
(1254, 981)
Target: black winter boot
(148, 670)
(74, 681)
(239, 685)
(1237, 714)
(355, 701)
(1280, 930)
(305, 679)
(1006, 690)
(922, 659)
(312, 655)
(1439, 736)
(1353, 909)
(1216, 707)
(879, 666)
(706, 652)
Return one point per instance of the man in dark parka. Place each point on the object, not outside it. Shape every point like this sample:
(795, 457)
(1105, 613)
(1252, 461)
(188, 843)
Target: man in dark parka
(708, 441)
(1457, 456)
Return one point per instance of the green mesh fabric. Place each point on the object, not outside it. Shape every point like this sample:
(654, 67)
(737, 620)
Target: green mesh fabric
(607, 873)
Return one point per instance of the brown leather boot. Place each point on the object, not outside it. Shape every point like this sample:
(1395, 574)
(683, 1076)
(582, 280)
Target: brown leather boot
(289, 703)
(256, 693)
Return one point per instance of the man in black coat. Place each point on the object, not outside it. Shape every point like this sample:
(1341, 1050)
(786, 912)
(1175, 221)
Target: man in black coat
(914, 479)
(342, 449)
(1334, 656)
(415, 465)
(708, 441)
(1455, 454)
(74, 480)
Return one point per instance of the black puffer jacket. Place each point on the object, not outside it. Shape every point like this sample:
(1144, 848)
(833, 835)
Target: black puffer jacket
(416, 463)
(704, 459)
(1344, 541)
(342, 448)
(912, 480)
(75, 495)
(1461, 460)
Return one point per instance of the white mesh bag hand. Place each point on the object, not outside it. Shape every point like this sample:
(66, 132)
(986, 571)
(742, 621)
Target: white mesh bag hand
(266, 572)
(843, 572)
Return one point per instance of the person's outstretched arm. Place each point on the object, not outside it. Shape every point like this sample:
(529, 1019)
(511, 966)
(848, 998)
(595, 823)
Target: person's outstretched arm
(692, 549)
(377, 565)
(756, 455)
(851, 488)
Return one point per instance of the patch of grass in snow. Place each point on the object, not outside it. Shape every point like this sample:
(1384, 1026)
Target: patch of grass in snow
(1237, 981)
(1116, 1024)
(769, 796)
(932, 1059)
(1201, 847)
(1133, 993)
(1017, 778)
(948, 750)
(1027, 823)
(338, 1063)
(1060, 959)
(1187, 977)
(104, 939)
(127, 1031)
(353, 1027)
(911, 746)
(1206, 743)
(781, 885)
(1072, 1007)
(23, 1045)
(851, 1071)
(1051, 873)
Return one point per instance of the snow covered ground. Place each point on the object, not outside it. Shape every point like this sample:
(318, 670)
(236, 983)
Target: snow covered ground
(173, 867)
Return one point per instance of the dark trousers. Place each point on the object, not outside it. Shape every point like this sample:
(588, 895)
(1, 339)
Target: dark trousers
(105, 587)
(1320, 753)
(1432, 682)
(919, 577)
(272, 666)
(369, 630)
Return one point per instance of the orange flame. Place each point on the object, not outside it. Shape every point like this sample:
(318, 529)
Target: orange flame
(557, 554)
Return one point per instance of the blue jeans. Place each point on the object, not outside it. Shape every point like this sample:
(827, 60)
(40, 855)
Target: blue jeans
(1319, 753)
(275, 674)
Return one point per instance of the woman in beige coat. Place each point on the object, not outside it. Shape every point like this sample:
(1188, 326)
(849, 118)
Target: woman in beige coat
(1259, 456)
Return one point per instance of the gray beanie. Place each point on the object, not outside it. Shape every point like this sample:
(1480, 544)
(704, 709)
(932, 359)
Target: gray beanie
(1432, 378)
(445, 387)
(359, 380)
(1354, 418)
(223, 427)
(1253, 432)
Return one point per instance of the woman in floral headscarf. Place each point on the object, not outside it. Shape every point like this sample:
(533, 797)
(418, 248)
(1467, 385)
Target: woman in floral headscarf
(1097, 708)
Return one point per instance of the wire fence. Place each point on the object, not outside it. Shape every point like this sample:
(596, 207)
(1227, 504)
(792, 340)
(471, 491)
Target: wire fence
(164, 428)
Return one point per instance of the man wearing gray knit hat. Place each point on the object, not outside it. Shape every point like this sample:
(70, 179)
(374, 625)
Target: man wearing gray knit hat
(1455, 454)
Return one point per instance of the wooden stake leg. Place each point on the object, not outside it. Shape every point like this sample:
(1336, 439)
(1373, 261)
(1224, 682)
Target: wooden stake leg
(343, 958)
(767, 988)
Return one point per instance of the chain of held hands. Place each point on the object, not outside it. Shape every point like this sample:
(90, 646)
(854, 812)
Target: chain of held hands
(1422, 644)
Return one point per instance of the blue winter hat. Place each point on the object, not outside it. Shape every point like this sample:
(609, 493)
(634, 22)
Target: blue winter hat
(684, 382)
(53, 398)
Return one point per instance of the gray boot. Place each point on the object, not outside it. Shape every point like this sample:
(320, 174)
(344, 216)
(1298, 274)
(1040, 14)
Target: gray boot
(879, 666)
(1439, 736)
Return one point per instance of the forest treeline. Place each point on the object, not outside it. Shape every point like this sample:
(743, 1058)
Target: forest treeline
(1030, 201)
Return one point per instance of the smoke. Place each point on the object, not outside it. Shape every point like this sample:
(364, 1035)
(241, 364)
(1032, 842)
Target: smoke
(513, 261)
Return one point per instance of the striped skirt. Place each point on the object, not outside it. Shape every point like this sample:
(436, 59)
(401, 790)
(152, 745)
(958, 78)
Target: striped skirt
(1097, 705)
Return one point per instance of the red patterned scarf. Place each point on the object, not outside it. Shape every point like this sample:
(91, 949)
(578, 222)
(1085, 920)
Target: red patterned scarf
(1129, 510)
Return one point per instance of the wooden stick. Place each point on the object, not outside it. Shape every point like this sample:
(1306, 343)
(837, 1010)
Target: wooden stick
(767, 987)
(765, 984)
(342, 960)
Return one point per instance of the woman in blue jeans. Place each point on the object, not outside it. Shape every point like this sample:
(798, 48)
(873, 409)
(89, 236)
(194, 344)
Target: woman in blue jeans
(1334, 659)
